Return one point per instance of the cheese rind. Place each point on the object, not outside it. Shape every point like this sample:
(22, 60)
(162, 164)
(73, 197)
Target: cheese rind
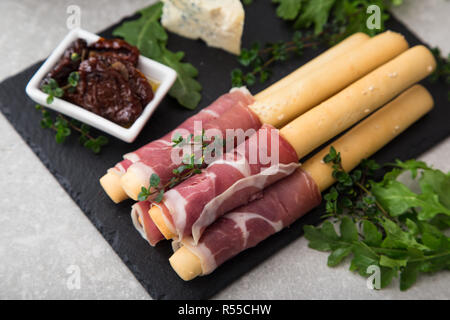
(218, 22)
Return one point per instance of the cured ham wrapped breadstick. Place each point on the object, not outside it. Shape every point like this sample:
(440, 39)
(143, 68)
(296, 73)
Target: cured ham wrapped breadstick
(290, 97)
(156, 154)
(190, 207)
(289, 199)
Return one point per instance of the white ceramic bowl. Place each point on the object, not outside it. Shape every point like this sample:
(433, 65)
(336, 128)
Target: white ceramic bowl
(153, 70)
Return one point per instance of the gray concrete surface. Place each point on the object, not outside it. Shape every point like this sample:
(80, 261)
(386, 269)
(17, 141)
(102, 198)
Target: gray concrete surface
(44, 241)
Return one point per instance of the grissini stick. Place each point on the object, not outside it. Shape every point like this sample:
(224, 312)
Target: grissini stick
(359, 99)
(297, 96)
(292, 197)
(191, 206)
(304, 90)
(348, 45)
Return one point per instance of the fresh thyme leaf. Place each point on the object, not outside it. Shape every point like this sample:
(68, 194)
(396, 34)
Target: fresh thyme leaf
(160, 196)
(149, 36)
(442, 72)
(258, 59)
(237, 78)
(73, 79)
(192, 165)
(64, 128)
(247, 56)
(154, 180)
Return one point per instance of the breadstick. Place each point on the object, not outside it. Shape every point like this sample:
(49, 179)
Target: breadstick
(306, 88)
(341, 111)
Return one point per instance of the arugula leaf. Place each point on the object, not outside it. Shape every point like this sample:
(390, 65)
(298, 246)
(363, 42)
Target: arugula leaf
(372, 236)
(348, 230)
(321, 239)
(435, 181)
(364, 257)
(185, 89)
(398, 198)
(411, 165)
(338, 255)
(288, 9)
(316, 12)
(149, 36)
(409, 275)
(397, 238)
(385, 261)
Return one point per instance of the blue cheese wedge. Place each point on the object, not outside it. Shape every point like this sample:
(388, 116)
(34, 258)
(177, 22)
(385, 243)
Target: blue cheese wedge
(218, 22)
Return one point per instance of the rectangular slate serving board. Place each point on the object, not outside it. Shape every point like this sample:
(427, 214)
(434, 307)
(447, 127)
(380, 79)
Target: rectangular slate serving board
(78, 170)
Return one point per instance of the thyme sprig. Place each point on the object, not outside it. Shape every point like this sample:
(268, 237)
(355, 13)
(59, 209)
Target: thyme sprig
(351, 193)
(192, 164)
(64, 128)
(442, 72)
(257, 60)
(61, 124)
(53, 90)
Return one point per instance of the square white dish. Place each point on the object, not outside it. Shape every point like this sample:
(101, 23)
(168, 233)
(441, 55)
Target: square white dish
(153, 70)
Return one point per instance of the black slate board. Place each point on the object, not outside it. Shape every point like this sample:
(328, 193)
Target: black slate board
(78, 170)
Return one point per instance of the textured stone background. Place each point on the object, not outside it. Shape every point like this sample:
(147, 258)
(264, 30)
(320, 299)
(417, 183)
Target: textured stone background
(42, 236)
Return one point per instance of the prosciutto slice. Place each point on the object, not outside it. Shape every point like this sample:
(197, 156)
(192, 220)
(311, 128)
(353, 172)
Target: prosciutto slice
(227, 183)
(155, 156)
(278, 207)
(144, 224)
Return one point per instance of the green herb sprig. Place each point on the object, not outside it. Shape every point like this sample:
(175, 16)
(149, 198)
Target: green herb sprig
(192, 165)
(257, 60)
(442, 72)
(64, 128)
(330, 21)
(53, 90)
(344, 16)
(385, 224)
(61, 124)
